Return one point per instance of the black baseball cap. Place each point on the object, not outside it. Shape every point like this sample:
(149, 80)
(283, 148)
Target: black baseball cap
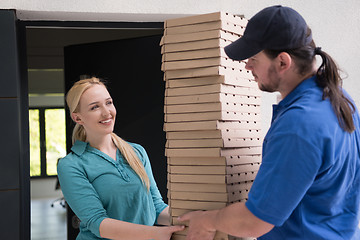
(275, 28)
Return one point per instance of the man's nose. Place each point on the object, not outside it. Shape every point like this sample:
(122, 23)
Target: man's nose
(248, 66)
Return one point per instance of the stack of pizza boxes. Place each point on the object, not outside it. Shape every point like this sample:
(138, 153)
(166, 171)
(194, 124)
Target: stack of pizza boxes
(212, 116)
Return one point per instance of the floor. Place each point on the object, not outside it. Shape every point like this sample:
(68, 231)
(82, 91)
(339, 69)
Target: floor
(47, 222)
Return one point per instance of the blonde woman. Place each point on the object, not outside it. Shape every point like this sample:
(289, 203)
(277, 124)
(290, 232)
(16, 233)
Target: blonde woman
(106, 181)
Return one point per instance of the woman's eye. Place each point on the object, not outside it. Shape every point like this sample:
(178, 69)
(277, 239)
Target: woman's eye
(109, 102)
(94, 107)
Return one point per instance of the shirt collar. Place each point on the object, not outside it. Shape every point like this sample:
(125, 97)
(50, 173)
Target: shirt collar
(298, 91)
(79, 147)
(293, 96)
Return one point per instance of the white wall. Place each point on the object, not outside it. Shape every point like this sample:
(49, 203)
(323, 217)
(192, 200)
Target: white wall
(335, 24)
(44, 188)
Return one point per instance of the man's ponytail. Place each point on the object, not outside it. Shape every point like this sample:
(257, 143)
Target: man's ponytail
(329, 79)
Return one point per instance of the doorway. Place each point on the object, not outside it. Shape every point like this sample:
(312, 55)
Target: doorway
(45, 55)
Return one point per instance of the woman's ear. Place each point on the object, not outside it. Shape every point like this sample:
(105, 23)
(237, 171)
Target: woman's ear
(76, 118)
(284, 61)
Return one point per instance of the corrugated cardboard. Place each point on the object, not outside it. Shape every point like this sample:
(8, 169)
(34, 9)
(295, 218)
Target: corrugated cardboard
(195, 45)
(233, 169)
(211, 107)
(196, 169)
(211, 197)
(213, 142)
(212, 97)
(212, 116)
(219, 133)
(233, 187)
(216, 88)
(228, 178)
(194, 54)
(188, 178)
(208, 71)
(239, 20)
(228, 189)
(210, 80)
(204, 62)
(214, 170)
(235, 153)
(198, 187)
(200, 196)
(205, 26)
(199, 36)
(235, 159)
(210, 170)
(204, 187)
(238, 196)
(240, 177)
(203, 116)
(211, 125)
(196, 205)
(242, 159)
(197, 161)
(241, 151)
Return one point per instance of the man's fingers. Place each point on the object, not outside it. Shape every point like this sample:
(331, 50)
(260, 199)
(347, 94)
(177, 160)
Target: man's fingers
(185, 217)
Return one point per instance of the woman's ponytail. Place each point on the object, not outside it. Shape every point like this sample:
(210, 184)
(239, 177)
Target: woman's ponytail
(132, 158)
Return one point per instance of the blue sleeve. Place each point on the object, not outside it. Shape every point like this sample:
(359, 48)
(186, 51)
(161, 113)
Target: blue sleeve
(289, 166)
(155, 193)
(80, 194)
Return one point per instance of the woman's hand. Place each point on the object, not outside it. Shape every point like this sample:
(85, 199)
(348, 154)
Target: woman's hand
(165, 233)
(116, 229)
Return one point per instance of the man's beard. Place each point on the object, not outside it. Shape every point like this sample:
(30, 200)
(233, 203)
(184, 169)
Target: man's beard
(273, 84)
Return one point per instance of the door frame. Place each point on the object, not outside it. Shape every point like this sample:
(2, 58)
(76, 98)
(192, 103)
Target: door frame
(22, 25)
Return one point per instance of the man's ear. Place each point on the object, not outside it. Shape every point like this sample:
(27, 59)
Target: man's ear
(284, 61)
(76, 118)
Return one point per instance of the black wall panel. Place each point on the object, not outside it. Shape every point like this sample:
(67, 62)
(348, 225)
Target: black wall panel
(10, 215)
(10, 158)
(8, 55)
(14, 143)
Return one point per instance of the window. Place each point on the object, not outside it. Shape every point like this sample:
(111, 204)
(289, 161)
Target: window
(34, 127)
(47, 140)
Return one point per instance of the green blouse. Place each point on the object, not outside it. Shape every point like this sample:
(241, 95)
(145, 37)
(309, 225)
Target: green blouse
(97, 187)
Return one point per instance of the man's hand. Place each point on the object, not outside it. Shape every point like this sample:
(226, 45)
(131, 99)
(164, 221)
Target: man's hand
(201, 224)
(234, 219)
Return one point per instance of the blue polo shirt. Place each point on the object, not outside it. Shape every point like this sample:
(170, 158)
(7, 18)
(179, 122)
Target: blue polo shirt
(97, 187)
(309, 180)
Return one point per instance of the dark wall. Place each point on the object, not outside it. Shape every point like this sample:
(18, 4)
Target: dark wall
(14, 161)
(132, 69)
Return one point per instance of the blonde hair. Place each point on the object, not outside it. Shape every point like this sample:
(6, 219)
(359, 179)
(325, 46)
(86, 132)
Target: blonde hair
(73, 100)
